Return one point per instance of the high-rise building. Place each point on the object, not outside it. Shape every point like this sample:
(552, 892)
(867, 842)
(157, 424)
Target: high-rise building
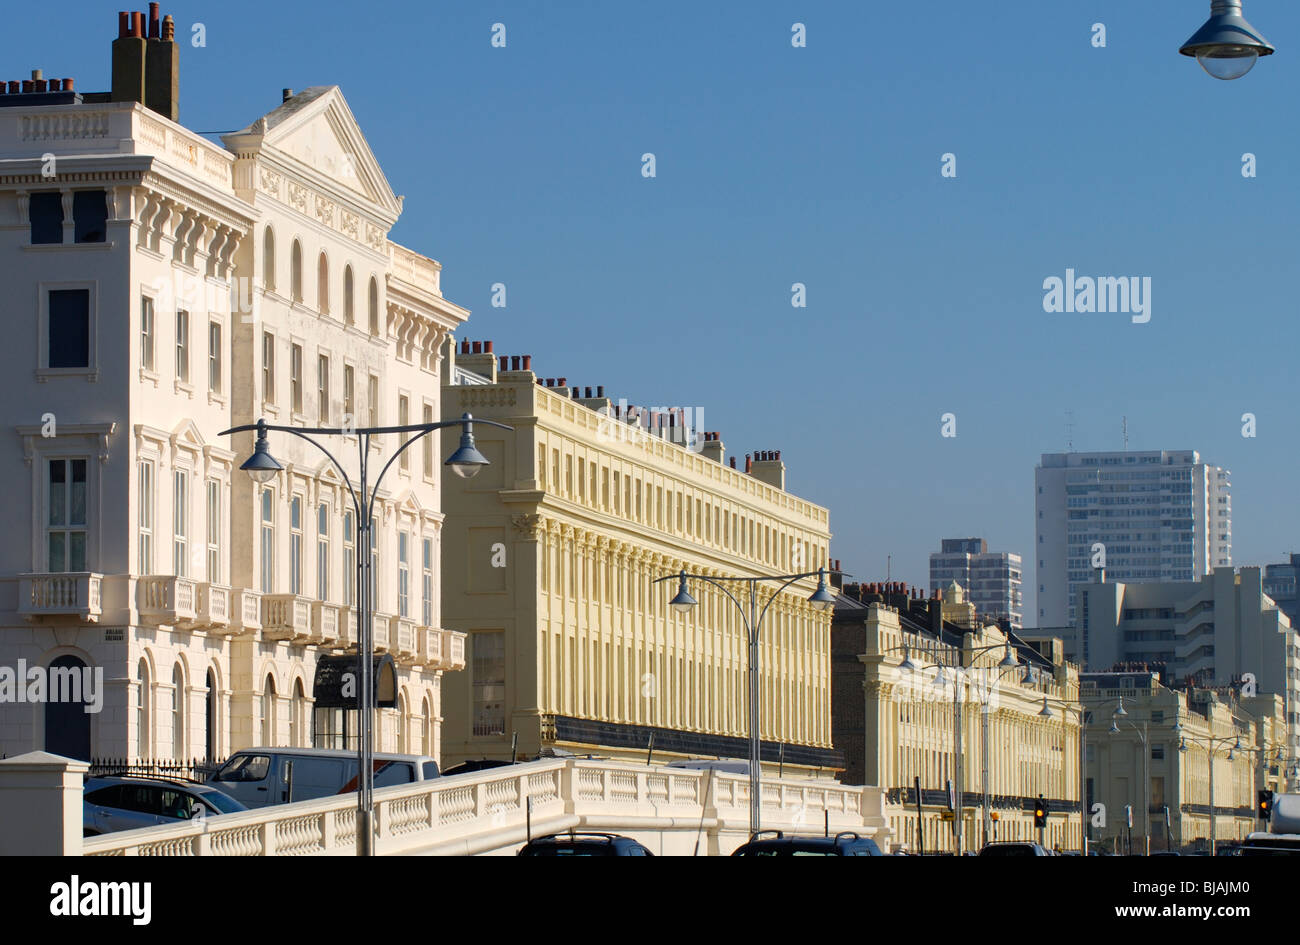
(571, 645)
(991, 580)
(1142, 516)
(162, 288)
(1220, 630)
(1280, 584)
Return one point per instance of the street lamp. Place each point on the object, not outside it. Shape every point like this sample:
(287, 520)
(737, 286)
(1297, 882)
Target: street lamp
(1226, 46)
(262, 467)
(1142, 733)
(822, 600)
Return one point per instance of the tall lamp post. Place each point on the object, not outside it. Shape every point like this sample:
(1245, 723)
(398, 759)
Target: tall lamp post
(1211, 745)
(822, 600)
(1142, 733)
(262, 467)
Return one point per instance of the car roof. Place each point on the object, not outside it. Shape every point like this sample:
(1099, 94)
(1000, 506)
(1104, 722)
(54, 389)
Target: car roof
(330, 753)
(108, 780)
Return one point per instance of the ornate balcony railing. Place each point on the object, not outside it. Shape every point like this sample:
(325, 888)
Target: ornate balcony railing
(74, 594)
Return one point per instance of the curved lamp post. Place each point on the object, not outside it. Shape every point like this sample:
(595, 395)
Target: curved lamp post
(262, 467)
(1211, 745)
(822, 600)
(1226, 46)
(1004, 666)
(1142, 733)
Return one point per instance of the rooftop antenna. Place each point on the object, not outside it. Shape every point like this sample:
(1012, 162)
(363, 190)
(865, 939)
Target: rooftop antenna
(1069, 431)
(1126, 434)
(889, 563)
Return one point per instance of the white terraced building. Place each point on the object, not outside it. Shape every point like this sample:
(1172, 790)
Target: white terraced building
(161, 288)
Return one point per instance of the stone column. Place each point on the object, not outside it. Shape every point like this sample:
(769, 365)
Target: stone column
(40, 805)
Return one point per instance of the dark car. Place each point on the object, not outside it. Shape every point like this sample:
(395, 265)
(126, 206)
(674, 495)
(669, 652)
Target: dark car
(127, 802)
(1269, 844)
(775, 843)
(1013, 848)
(482, 764)
(583, 844)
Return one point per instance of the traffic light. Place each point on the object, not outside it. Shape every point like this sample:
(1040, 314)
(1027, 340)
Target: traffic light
(1040, 812)
(1265, 805)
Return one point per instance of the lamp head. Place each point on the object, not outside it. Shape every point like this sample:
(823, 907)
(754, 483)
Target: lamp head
(683, 601)
(822, 598)
(467, 460)
(261, 466)
(1226, 46)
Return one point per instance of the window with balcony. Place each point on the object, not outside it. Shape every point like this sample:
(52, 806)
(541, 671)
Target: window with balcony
(65, 536)
(180, 521)
(214, 530)
(144, 516)
(295, 545)
(426, 580)
(268, 542)
(349, 559)
(489, 670)
(323, 552)
(403, 575)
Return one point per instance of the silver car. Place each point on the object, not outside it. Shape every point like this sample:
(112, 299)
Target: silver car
(128, 802)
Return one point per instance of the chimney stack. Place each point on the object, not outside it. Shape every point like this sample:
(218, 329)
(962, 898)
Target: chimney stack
(769, 468)
(712, 446)
(146, 62)
(285, 95)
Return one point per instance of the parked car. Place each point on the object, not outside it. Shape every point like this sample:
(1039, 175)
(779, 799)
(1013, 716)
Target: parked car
(583, 844)
(776, 843)
(468, 767)
(1014, 848)
(126, 802)
(261, 777)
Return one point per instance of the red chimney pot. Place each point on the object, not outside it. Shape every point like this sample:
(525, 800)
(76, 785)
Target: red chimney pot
(123, 24)
(528, 362)
(137, 27)
(487, 347)
(154, 31)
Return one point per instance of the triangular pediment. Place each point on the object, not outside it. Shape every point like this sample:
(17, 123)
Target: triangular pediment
(316, 130)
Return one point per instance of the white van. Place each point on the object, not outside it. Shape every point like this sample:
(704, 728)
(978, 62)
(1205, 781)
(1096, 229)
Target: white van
(262, 777)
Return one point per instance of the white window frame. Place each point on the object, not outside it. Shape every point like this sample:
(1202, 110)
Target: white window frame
(148, 333)
(323, 387)
(180, 521)
(426, 579)
(146, 517)
(295, 378)
(349, 538)
(323, 551)
(268, 368)
(215, 366)
(403, 574)
(182, 347)
(296, 503)
(212, 499)
(266, 539)
(66, 528)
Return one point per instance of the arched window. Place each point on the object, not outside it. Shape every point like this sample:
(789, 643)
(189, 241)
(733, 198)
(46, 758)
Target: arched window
(178, 712)
(268, 712)
(142, 710)
(268, 259)
(323, 285)
(374, 306)
(295, 271)
(297, 715)
(349, 313)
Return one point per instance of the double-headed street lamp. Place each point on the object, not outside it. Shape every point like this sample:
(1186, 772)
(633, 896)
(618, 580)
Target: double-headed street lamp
(822, 600)
(1005, 665)
(262, 467)
(1142, 733)
(1211, 744)
(1226, 46)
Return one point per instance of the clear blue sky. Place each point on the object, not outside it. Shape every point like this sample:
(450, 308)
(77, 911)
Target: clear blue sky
(821, 165)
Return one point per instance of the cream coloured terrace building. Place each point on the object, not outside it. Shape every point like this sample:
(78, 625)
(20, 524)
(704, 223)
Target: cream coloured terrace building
(1010, 751)
(570, 644)
(1167, 744)
(160, 289)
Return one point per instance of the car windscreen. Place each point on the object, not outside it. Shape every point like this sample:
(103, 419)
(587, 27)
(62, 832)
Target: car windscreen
(222, 803)
(244, 768)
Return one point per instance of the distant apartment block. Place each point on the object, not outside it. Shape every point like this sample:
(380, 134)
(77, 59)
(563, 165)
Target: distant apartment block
(1220, 630)
(1162, 515)
(991, 580)
(1280, 584)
